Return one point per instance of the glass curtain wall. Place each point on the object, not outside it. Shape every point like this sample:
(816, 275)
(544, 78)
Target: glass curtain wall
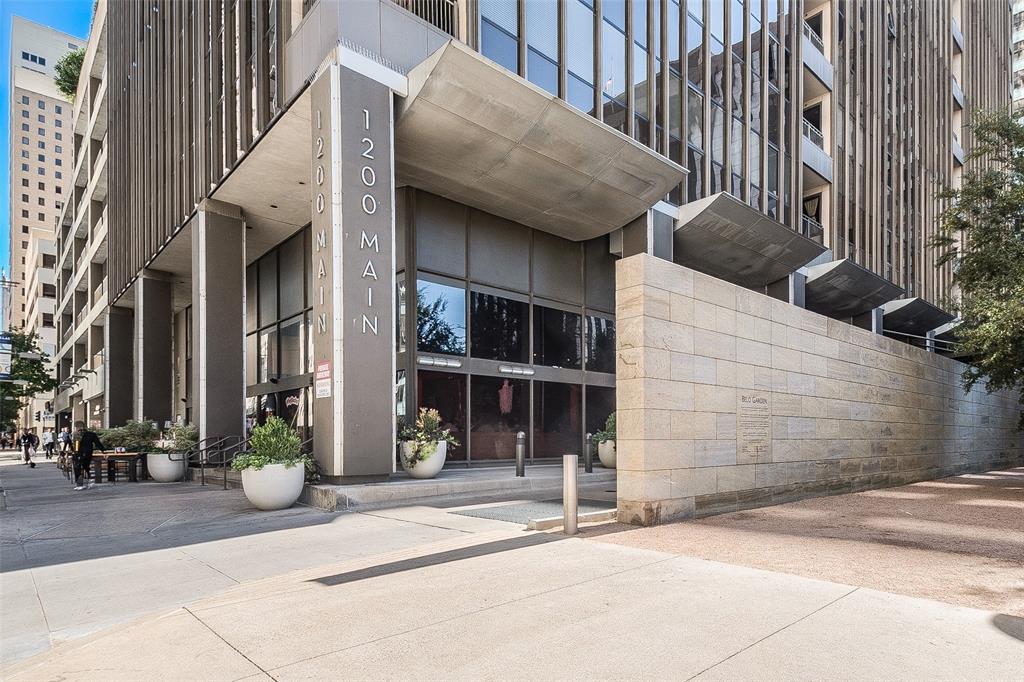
(278, 324)
(728, 122)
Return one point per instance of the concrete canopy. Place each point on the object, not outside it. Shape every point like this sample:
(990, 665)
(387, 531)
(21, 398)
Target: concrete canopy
(475, 133)
(913, 316)
(844, 289)
(724, 237)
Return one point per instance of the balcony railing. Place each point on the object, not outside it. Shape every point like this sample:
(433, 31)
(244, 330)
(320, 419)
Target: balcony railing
(444, 14)
(812, 229)
(814, 38)
(812, 133)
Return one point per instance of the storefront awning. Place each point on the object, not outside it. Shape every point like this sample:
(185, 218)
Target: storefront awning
(473, 132)
(913, 316)
(725, 237)
(842, 289)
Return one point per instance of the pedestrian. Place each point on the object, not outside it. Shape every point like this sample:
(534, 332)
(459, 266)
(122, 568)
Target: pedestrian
(85, 444)
(28, 447)
(48, 443)
(65, 439)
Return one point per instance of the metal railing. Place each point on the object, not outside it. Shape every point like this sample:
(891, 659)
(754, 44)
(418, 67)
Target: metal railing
(814, 38)
(812, 229)
(812, 133)
(444, 14)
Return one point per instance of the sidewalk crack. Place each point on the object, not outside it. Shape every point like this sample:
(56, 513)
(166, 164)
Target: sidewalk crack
(218, 636)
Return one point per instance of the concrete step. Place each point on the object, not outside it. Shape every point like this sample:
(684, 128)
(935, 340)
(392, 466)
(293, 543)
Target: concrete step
(214, 477)
(451, 484)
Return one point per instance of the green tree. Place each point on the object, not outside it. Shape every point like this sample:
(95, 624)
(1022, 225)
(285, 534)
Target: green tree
(982, 234)
(68, 69)
(26, 376)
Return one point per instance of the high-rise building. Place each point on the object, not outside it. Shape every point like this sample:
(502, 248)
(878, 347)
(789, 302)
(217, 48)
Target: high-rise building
(40, 157)
(339, 212)
(1017, 46)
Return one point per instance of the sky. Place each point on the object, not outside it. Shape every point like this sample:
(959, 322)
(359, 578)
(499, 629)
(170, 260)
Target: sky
(70, 16)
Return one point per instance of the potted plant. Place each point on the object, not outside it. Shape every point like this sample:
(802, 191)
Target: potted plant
(424, 445)
(606, 443)
(274, 467)
(168, 463)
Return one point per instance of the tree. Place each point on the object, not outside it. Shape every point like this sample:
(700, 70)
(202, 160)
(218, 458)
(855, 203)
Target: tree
(68, 69)
(28, 375)
(982, 234)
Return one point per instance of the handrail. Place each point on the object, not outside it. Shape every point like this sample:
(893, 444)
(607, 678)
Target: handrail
(812, 133)
(815, 39)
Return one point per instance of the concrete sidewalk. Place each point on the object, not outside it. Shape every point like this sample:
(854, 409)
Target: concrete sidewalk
(516, 605)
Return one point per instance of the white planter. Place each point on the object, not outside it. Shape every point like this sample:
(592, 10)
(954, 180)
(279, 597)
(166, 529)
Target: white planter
(606, 453)
(426, 468)
(166, 467)
(275, 486)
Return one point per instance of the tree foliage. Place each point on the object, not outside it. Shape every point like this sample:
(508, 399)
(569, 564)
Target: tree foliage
(68, 69)
(23, 368)
(982, 234)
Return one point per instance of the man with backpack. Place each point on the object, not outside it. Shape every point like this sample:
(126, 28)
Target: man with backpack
(85, 444)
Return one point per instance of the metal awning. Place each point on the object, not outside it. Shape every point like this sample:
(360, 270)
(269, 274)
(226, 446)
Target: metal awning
(842, 289)
(724, 237)
(473, 132)
(913, 316)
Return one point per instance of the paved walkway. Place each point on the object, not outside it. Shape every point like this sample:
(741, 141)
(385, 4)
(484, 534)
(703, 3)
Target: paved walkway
(452, 601)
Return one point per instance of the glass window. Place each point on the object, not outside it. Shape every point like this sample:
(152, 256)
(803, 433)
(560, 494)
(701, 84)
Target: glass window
(542, 27)
(579, 49)
(268, 289)
(613, 62)
(440, 318)
(600, 344)
(500, 408)
(499, 45)
(541, 71)
(446, 393)
(292, 264)
(268, 354)
(499, 328)
(557, 338)
(614, 11)
(717, 71)
(695, 52)
(251, 359)
(557, 419)
(695, 178)
(250, 298)
(291, 341)
(716, 18)
(695, 120)
(580, 94)
(600, 404)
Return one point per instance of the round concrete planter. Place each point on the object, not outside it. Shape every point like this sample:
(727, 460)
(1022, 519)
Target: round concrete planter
(275, 486)
(606, 453)
(425, 468)
(166, 467)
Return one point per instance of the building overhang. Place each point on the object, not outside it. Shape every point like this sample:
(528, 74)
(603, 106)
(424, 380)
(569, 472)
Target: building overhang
(725, 237)
(913, 316)
(475, 133)
(842, 289)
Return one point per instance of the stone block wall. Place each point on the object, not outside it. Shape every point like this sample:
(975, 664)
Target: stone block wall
(729, 399)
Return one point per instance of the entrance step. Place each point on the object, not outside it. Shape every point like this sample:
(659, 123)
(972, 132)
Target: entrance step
(451, 484)
(214, 476)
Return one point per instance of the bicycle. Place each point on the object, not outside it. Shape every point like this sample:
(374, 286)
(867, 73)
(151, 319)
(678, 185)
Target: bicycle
(65, 464)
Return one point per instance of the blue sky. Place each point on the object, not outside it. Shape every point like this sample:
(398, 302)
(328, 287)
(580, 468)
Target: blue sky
(70, 16)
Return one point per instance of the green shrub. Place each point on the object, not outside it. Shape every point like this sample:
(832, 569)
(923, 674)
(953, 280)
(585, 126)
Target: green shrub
(609, 430)
(183, 437)
(273, 443)
(424, 435)
(133, 437)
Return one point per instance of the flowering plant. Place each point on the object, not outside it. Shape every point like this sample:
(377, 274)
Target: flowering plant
(424, 436)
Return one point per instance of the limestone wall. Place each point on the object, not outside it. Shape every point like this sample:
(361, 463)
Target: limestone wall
(729, 399)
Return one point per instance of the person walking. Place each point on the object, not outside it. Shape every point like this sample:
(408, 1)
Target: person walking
(85, 444)
(48, 443)
(29, 441)
(65, 439)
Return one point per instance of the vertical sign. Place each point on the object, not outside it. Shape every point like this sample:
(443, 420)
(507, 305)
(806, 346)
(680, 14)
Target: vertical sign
(353, 274)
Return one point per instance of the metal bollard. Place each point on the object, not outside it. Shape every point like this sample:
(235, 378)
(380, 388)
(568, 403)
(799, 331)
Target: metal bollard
(588, 455)
(520, 454)
(570, 502)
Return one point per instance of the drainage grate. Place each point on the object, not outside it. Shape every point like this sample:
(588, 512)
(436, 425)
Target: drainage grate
(522, 513)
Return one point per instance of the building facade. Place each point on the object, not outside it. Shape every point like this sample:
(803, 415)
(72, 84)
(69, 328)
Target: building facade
(1017, 46)
(341, 212)
(41, 141)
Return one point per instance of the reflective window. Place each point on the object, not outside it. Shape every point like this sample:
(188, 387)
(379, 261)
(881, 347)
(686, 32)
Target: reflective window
(600, 404)
(557, 419)
(499, 328)
(292, 266)
(695, 52)
(291, 340)
(541, 71)
(440, 318)
(268, 288)
(267, 355)
(557, 338)
(613, 62)
(446, 393)
(500, 408)
(600, 344)
(498, 45)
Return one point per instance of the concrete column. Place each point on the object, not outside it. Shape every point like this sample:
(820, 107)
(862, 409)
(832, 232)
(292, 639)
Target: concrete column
(118, 362)
(650, 233)
(218, 320)
(930, 343)
(871, 320)
(153, 348)
(353, 256)
(791, 289)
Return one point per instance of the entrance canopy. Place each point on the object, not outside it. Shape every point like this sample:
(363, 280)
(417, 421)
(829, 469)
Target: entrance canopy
(475, 133)
(844, 289)
(914, 316)
(725, 237)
